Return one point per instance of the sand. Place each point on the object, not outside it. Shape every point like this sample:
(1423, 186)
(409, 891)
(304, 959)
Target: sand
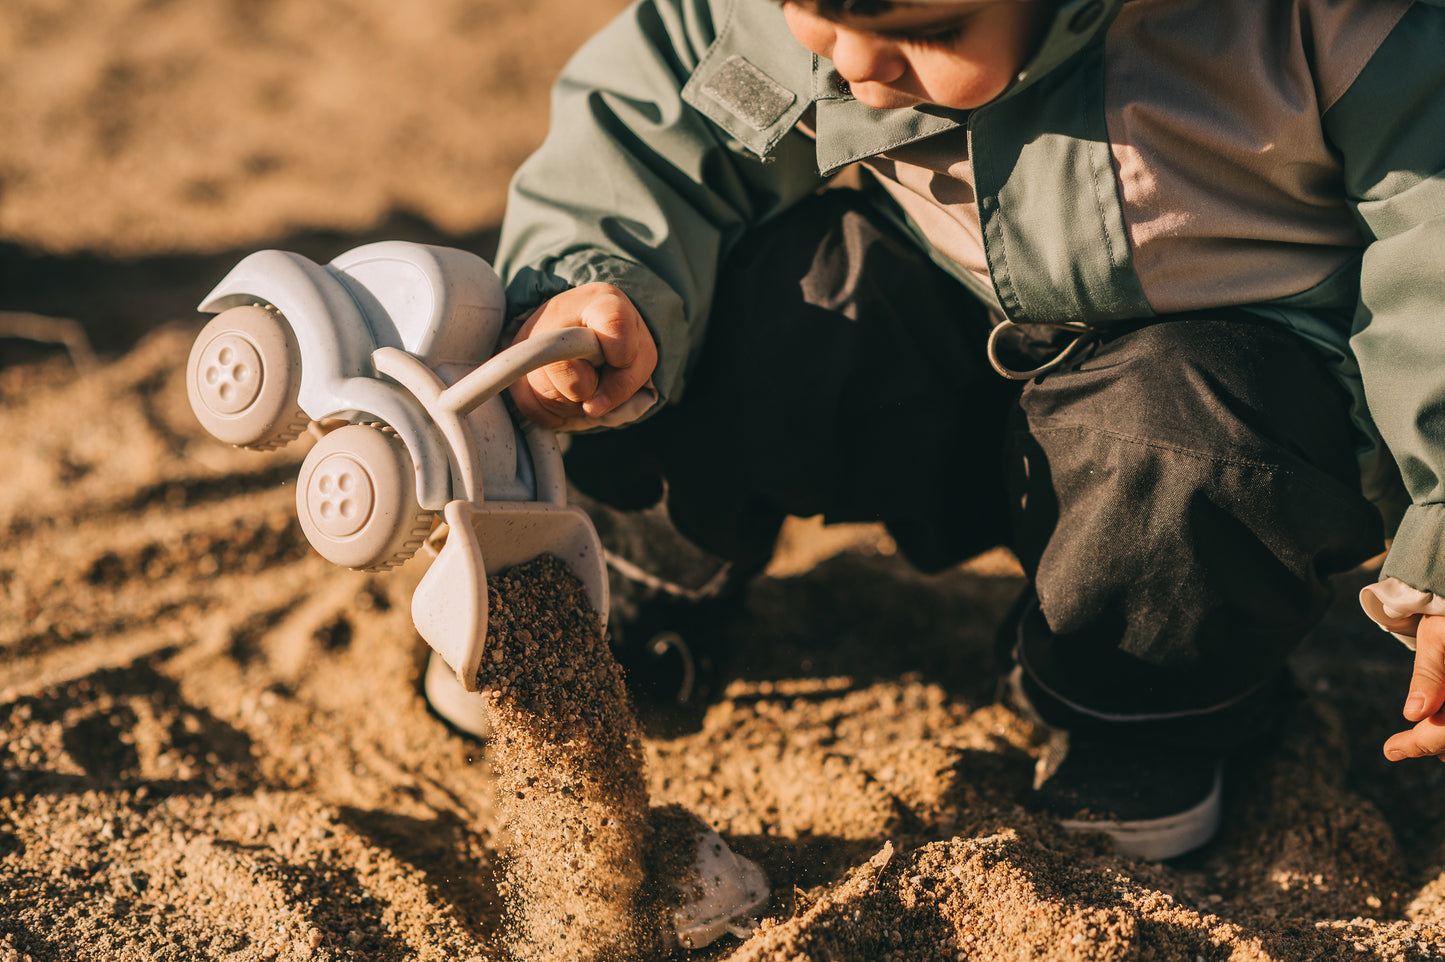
(212, 743)
(567, 756)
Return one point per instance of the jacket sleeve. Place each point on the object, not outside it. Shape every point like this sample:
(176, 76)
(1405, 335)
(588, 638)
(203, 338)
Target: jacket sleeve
(1389, 128)
(634, 187)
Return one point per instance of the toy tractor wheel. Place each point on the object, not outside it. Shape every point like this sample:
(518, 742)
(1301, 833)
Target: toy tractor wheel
(356, 499)
(243, 378)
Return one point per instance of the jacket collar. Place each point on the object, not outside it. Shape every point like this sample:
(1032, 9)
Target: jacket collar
(848, 130)
(756, 82)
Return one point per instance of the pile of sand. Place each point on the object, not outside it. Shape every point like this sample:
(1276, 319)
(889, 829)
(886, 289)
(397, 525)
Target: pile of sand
(212, 745)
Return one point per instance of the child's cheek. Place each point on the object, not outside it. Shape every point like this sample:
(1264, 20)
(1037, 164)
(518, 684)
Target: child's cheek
(964, 85)
(813, 32)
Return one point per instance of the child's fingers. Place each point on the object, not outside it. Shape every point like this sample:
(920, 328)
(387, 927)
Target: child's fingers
(619, 328)
(1427, 695)
(628, 350)
(532, 407)
(569, 389)
(1427, 681)
(1426, 738)
(618, 383)
(571, 382)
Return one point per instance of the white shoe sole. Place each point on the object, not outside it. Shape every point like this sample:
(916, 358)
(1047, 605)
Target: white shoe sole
(1160, 838)
(464, 710)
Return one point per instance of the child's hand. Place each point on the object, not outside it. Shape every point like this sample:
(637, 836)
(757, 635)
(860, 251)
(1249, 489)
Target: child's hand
(1427, 695)
(559, 392)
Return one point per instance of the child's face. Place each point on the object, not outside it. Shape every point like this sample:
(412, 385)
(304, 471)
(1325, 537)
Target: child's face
(957, 54)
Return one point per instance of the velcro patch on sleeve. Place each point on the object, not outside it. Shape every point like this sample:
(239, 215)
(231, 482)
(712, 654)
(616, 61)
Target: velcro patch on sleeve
(749, 94)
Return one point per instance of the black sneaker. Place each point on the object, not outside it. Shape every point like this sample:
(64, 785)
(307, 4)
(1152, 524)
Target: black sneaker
(673, 649)
(1155, 803)
(674, 606)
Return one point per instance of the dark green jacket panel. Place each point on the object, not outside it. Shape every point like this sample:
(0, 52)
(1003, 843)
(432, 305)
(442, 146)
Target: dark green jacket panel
(1390, 131)
(1048, 202)
(635, 187)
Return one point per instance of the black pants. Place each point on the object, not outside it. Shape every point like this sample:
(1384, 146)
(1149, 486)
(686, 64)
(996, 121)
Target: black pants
(1178, 493)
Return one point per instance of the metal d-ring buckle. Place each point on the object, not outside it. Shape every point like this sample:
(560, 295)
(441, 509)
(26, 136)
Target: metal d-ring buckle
(1085, 333)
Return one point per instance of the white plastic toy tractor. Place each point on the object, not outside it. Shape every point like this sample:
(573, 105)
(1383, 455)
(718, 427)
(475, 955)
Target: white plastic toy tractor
(394, 341)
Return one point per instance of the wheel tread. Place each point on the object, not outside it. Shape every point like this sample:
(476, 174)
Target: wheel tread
(420, 527)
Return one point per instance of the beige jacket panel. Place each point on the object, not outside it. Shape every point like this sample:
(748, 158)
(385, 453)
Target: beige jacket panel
(1234, 197)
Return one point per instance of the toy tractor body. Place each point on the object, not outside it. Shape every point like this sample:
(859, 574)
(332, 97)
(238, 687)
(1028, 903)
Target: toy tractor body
(395, 341)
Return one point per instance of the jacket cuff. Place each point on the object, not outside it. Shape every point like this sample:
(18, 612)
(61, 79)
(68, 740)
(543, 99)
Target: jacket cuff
(1417, 553)
(1412, 581)
(1396, 607)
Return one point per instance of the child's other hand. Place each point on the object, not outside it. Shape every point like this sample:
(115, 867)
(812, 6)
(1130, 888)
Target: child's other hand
(1427, 695)
(559, 392)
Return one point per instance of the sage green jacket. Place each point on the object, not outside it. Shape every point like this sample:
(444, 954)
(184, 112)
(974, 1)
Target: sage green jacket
(1320, 147)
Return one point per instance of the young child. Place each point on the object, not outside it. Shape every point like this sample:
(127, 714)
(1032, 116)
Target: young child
(1147, 290)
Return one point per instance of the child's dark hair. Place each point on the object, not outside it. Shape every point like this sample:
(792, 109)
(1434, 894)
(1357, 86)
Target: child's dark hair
(832, 9)
(851, 8)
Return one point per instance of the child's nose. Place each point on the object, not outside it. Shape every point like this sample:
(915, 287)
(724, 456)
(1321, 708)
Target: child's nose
(862, 57)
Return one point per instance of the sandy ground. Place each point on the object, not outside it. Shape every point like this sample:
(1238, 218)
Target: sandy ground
(211, 741)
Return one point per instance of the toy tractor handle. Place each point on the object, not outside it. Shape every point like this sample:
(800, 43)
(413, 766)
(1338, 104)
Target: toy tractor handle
(519, 360)
(448, 406)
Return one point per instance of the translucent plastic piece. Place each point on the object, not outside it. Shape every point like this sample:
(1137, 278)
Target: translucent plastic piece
(733, 889)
